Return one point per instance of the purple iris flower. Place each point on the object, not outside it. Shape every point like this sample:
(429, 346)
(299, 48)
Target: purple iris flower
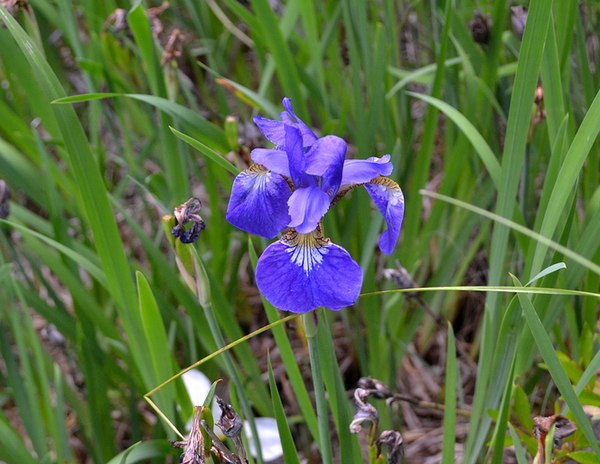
(292, 186)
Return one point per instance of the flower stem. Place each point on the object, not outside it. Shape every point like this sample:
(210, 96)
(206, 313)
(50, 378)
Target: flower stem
(311, 328)
(203, 295)
(234, 375)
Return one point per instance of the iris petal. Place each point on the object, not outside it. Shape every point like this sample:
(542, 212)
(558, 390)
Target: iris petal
(274, 130)
(273, 160)
(304, 271)
(388, 198)
(258, 202)
(296, 158)
(326, 159)
(308, 136)
(306, 207)
(361, 171)
(271, 129)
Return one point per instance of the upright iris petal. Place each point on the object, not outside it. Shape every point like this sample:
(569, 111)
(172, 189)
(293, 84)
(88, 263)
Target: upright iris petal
(316, 175)
(304, 271)
(325, 160)
(274, 130)
(308, 136)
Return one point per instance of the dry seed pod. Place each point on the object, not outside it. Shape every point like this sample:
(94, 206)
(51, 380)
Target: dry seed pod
(481, 27)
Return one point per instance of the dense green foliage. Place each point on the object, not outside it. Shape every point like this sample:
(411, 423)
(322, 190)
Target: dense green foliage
(108, 122)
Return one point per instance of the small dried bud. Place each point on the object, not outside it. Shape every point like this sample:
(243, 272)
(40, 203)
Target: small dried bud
(365, 412)
(230, 423)
(563, 427)
(173, 48)
(188, 213)
(480, 26)
(14, 6)
(155, 22)
(375, 387)
(539, 94)
(518, 16)
(401, 278)
(395, 445)
(117, 22)
(4, 197)
(193, 446)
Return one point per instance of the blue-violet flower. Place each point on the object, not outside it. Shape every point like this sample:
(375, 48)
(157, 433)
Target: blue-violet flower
(292, 186)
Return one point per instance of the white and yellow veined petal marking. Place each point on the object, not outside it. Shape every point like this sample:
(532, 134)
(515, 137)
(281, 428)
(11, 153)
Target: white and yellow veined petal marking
(306, 250)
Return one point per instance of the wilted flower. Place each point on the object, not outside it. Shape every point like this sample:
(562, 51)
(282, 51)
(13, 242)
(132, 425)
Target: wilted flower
(292, 186)
(173, 47)
(395, 445)
(198, 387)
(365, 412)
(193, 446)
(189, 223)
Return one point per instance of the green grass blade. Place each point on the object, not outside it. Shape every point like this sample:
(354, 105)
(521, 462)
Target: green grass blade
(519, 451)
(207, 152)
(481, 147)
(12, 448)
(450, 385)
(285, 65)
(205, 131)
(290, 456)
(526, 77)
(419, 176)
(93, 197)
(141, 452)
(523, 230)
(567, 177)
(556, 370)
(156, 340)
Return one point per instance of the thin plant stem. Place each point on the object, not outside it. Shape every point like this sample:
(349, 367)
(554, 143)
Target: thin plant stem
(203, 295)
(309, 320)
(235, 378)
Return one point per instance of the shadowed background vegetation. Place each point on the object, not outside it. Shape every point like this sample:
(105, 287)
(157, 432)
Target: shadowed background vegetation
(493, 139)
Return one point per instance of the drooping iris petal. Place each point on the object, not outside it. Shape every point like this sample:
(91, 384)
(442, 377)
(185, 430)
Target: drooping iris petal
(306, 208)
(388, 198)
(258, 202)
(326, 160)
(361, 171)
(304, 271)
(273, 160)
